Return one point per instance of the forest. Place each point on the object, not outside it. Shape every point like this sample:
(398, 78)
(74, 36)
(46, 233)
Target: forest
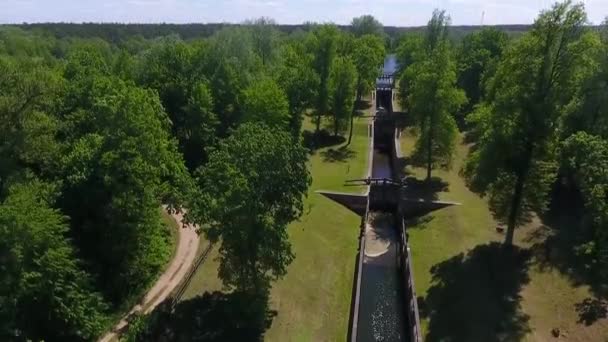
(102, 127)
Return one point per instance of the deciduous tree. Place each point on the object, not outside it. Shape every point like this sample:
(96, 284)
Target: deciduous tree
(44, 293)
(264, 101)
(342, 91)
(516, 155)
(250, 190)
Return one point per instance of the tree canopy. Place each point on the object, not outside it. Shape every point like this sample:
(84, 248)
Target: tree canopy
(515, 161)
(247, 205)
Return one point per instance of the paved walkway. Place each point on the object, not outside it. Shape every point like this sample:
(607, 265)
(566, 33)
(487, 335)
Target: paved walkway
(183, 259)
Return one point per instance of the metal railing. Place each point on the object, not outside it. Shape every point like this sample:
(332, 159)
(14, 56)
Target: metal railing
(177, 295)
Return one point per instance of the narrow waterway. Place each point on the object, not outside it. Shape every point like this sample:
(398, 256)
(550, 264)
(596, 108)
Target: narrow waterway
(381, 311)
(381, 164)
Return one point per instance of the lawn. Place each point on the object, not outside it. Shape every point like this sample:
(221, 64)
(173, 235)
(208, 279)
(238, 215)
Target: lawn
(313, 300)
(470, 291)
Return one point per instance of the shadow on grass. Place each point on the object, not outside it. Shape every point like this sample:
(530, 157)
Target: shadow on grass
(475, 297)
(591, 310)
(403, 120)
(565, 231)
(340, 155)
(323, 139)
(215, 316)
(362, 105)
(422, 189)
(419, 222)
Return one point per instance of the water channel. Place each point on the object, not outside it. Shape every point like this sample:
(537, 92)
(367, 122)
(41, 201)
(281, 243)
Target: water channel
(381, 310)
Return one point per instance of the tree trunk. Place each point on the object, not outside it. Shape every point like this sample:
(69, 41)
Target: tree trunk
(429, 153)
(350, 134)
(517, 197)
(336, 124)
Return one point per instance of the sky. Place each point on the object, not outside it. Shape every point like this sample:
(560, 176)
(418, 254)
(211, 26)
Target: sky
(389, 12)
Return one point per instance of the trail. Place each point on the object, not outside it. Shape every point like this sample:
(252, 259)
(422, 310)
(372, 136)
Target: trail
(168, 281)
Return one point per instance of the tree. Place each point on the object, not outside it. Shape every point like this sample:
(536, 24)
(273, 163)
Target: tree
(299, 81)
(478, 54)
(433, 97)
(230, 63)
(342, 89)
(515, 161)
(323, 41)
(44, 294)
(118, 165)
(265, 38)
(585, 157)
(588, 110)
(169, 67)
(409, 50)
(27, 94)
(436, 33)
(367, 25)
(264, 101)
(368, 56)
(250, 190)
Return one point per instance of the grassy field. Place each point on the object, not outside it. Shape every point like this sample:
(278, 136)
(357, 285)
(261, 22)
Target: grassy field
(313, 300)
(470, 291)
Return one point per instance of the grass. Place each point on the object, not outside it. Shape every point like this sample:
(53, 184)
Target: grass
(173, 229)
(313, 300)
(470, 291)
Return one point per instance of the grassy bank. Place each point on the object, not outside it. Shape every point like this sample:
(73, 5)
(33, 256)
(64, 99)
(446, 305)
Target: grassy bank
(313, 300)
(470, 291)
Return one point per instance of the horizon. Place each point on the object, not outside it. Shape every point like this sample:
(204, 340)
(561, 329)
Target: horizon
(392, 13)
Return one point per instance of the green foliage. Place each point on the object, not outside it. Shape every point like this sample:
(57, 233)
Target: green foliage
(585, 156)
(367, 25)
(588, 110)
(477, 58)
(433, 97)
(368, 56)
(250, 190)
(27, 94)
(300, 82)
(119, 163)
(323, 43)
(342, 86)
(264, 101)
(44, 295)
(265, 39)
(170, 69)
(515, 161)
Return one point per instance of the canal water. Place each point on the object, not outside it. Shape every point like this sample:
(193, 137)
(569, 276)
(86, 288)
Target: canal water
(381, 311)
(390, 64)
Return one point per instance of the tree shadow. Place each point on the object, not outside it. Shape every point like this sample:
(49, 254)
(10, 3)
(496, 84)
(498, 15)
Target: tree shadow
(423, 189)
(476, 297)
(591, 310)
(567, 227)
(419, 222)
(340, 155)
(314, 142)
(401, 164)
(362, 105)
(403, 120)
(215, 316)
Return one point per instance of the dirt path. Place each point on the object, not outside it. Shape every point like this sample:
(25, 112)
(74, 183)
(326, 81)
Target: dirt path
(182, 260)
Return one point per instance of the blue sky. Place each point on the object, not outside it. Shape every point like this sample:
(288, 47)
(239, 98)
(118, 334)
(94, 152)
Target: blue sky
(389, 12)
